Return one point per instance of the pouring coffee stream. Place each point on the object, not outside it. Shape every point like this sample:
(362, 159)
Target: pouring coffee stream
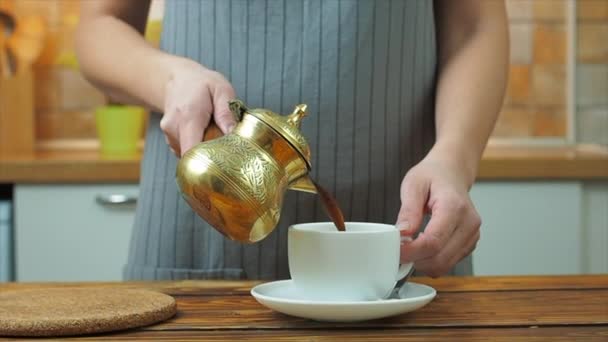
(331, 206)
(236, 182)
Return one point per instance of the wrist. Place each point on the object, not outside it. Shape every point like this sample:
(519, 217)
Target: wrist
(461, 158)
(172, 68)
(147, 80)
(177, 65)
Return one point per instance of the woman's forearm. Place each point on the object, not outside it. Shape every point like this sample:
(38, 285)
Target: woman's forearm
(115, 57)
(473, 64)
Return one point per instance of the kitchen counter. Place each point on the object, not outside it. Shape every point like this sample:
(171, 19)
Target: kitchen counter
(581, 162)
(551, 308)
(69, 166)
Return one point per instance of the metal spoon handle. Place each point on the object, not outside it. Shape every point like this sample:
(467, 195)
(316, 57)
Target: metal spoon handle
(395, 292)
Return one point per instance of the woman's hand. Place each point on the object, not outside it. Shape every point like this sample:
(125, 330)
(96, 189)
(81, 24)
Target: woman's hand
(194, 95)
(437, 185)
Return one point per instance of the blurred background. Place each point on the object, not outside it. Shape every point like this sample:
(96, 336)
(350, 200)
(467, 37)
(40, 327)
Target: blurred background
(68, 188)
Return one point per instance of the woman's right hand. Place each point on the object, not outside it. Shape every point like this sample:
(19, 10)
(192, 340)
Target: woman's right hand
(194, 95)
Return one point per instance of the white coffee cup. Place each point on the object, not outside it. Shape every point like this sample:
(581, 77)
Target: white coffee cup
(360, 264)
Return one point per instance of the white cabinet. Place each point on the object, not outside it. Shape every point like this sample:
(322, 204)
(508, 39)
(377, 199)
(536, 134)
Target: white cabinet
(529, 228)
(72, 232)
(548, 227)
(64, 234)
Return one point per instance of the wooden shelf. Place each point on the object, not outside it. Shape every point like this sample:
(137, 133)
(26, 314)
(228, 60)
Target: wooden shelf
(61, 166)
(582, 162)
(574, 162)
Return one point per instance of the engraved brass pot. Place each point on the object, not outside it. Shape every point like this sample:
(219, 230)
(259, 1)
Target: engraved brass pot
(237, 182)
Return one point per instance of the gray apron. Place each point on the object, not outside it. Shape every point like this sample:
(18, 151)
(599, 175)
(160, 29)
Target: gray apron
(367, 71)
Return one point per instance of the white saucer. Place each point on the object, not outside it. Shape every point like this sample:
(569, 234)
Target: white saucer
(282, 296)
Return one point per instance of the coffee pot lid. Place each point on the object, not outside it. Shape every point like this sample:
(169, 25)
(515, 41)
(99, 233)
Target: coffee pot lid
(287, 126)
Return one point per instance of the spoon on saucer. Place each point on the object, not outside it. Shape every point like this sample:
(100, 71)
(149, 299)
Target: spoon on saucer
(395, 292)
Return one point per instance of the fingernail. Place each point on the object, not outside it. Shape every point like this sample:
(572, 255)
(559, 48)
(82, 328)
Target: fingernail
(403, 225)
(406, 239)
(230, 127)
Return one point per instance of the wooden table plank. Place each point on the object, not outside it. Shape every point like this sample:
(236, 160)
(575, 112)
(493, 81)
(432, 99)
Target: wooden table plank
(458, 309)
(511, 283)
(443, 284)
(184, 287)
(426, 335)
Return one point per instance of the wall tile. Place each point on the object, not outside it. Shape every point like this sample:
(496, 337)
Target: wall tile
(514, 122)
(549, 44)
(519, 9)
(537, 74)
(591, 85)
(53, 125)
(521, 43)
(549, 122)
(69, 6)
(46, 89)
(592, 41)
(77, 93)
(51, 48)
(592, 125)
(518, 88)
(549, 9)
(50, 10)
(549, 84)
(592, 9)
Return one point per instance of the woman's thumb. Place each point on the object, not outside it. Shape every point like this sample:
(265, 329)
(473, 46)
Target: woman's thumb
(414, 192)
(221, 111)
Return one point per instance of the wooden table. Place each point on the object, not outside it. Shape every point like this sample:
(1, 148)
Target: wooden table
(563, 308)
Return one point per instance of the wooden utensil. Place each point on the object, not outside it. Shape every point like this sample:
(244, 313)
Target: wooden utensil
(26, 50)
(17, 135)
(12, 60)
(32, 26)
(7, 23)
(27, 41)
(4, 67)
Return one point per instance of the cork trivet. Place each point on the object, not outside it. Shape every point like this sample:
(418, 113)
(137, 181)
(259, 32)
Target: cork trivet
(77, 311)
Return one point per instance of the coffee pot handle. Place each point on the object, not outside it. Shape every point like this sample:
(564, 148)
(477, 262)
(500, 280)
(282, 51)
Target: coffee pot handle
(238, 109)
(212, 132)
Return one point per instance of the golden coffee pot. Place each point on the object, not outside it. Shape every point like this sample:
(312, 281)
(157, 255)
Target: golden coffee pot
(237, 182)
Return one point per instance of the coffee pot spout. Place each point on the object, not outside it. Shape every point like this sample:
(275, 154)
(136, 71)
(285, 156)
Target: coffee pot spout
(304, 184)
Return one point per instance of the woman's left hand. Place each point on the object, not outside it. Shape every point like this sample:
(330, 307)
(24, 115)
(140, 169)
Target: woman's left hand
(438, 185)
